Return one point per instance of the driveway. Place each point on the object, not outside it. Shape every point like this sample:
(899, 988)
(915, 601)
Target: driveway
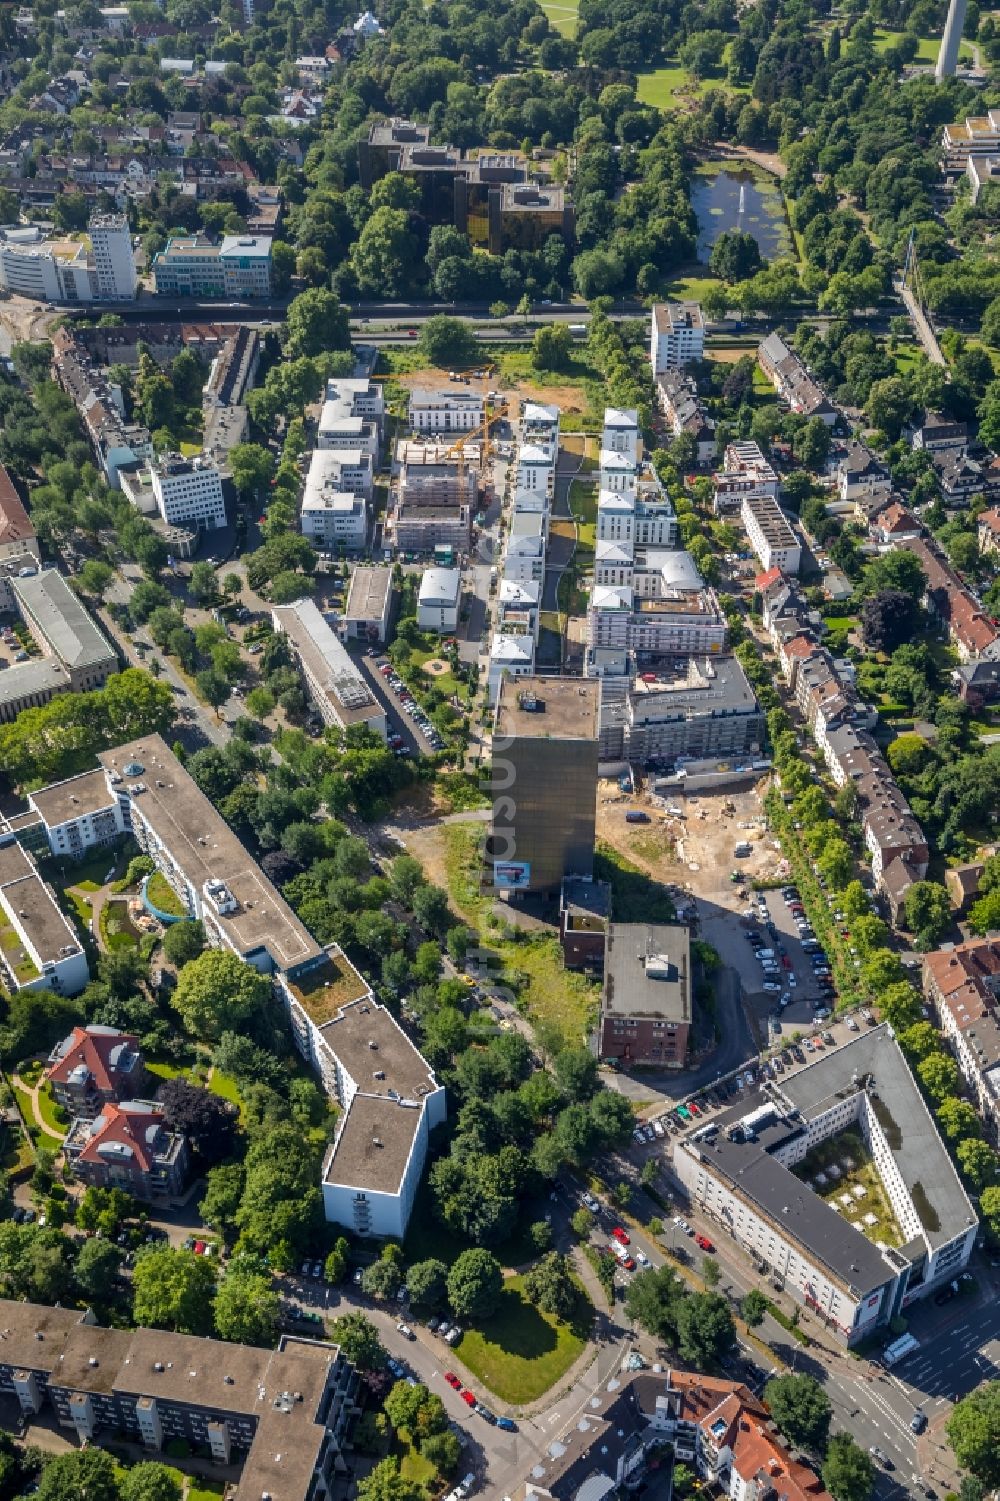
(398, 719)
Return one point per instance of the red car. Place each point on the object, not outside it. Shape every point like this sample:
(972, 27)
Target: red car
(453, 1380)
(620, 1236)
(628, 1264)
(704, 1242)
(786, 961)
(693, 1107)
(468, 1398)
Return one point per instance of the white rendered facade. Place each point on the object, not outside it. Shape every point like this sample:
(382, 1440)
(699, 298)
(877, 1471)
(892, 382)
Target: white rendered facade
(439, 600)
(770, 534)
(189, 491)
(334, 514)
(676, 336)
(621, 433)
(443, 411)
(114, 261)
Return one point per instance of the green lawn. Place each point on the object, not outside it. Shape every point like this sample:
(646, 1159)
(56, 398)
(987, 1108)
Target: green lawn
(635, 896)
(927, 51)
(661, 86)
(562, 15)
(87, 874)
(691, 288)
(163, 895)
(521, 1352)
(225, 1086)
(52, 1114)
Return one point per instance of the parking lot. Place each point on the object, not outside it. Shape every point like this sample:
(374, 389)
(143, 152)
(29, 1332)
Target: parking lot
(412, 737)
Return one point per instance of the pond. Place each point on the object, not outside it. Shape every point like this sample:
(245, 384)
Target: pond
(716, 198)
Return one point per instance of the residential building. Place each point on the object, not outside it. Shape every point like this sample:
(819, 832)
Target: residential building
(963, 983)
(117, 444)
(978, 682)
(333, 515)
(439, 410)
(544, 768)
(439, 600)
(518, 607)
(792, 380)
(195, 266)
(745, 472)
(284, 1411)
(962, 882)
(937, 433)
(95, 1066)
(335, 685)
(977, 135)
(57, 271)
(524, 559)
(894, 524)
(39, 948)
(676, 335)
(987, 530)
(195, 850)
(367, 615)
(18, 539)
(78, 815)
(708, 709)
(647, 1000)
(969, 628)
(665, 611)
(128, 1146)
(584, 916)
(982, 171)
(436, 495)
(61, 627)
(824, 1256)
(188, 491)
(771, 534)
(353, 416)
(685, 412)
(512, 655)
(114, 259)
(621, 433)
(390, 1103)
(860, 474)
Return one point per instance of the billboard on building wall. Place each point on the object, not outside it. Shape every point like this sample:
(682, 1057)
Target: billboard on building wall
(511, 875)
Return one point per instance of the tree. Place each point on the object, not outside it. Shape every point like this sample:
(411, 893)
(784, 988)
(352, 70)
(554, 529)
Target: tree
(577, 1073)
(801, 1409)
(705, 1329)
(183, 941)
(979, 1163)
(203, 585)
(335, 1266)
(385, 1483)
(549, 1284)
(173, 1290)
(427, 1283)
(206, 1120)
(96, 1270)
(85, 1472)
(753, 1308)
(316, 323)
(448, 341)
(898, 570)
(711, 1274)
(382, 1279)
(217, 992)
(847, 1472)
(403, 1403)
(149, 1481)
(443, 1451)
(654, 1299)
(475, 1283)
(95, 577)
(939, 1075)
(889, 618)
(260, 702)
(889, 404)
(735, 256)
(552, 347)
(880, 970)
(358, 1338)
(984, 914)
(247, 1310)
(252, 467)
(974, 1433)
(958, 1121)
(836, 863)
(928, 912)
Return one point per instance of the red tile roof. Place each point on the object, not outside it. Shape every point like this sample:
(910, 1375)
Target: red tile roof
(765, 580)
(127, 1127)
(93, 1049)
(15, 524)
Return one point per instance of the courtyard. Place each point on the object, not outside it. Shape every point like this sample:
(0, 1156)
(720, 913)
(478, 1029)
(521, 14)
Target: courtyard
(841, 1171)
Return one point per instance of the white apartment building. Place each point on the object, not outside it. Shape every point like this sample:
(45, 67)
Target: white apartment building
(621, 432)
(677, 335)
(771, 534)
(510, 656)
(339, 431)
(46, 953)
(353, 415)
(745, 472)
(189, 492)
(348, 471)
(617, 473)
(439, 600)
(525, 556)
(540, 424)
(444, 411)
(336, 686)
(535, 470)
(821, 1253)
(114, 259)
(333, 516)
(46, 270)
(390, 1102)
(79, 814)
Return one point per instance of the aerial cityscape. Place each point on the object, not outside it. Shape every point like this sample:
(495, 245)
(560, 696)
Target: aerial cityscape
(500, 751)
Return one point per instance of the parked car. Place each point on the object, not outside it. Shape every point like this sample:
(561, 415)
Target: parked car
(468, 1397)
(405, 1331)
(621, 1236)
(507, 1424)
(453, 1381)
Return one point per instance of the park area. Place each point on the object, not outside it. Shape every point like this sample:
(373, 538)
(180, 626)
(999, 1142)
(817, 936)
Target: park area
(520, 1352)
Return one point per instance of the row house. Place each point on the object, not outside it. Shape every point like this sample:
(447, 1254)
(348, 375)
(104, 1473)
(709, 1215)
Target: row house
(963, 983)
(684, 410)
(969, 628)
(792, 381)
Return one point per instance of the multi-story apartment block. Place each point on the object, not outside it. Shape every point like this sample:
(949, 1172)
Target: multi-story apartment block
(771, 534)
(824, 1256)
(745, 472)
(188, 492)
(333, 515)
(859, 474)
(39, 948)
(96, 1066)
(336, 686)
(621, 433)
(708, 710)
(368, 611)
(128, 1146)
(976, 135)
(114, 260)
(964, 985)
(969, 627)
(284, 1412)
(439, 600)
(677, 335)
(512, 656)
(437, 410)
(647, 997)
(390, 1102)
(665, 610)
(545, 779)
(78, 815)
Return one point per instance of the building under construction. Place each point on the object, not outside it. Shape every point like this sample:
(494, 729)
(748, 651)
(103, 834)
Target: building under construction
(436, 496)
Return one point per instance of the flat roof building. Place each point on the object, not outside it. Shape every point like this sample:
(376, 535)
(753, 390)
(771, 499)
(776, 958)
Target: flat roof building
(368, 612)
(39, 949)
(336, 686)
(771, 534)
(63, 629)
(677, 335)
(646, 1007)
(545, 781)
(439, 600)
(823, 1252)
